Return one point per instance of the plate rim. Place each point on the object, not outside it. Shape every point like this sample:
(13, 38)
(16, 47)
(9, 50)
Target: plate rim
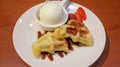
(40, 4)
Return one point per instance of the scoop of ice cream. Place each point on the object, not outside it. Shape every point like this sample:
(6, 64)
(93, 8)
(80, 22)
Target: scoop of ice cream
(51, 13)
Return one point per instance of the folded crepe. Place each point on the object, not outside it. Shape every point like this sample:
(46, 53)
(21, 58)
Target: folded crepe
(75, 30)
(50, 44)
(56, 41)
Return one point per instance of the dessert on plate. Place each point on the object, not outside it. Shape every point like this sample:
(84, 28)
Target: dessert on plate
(61, 39)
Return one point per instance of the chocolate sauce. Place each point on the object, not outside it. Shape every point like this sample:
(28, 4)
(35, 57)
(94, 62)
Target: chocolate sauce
(46, 54)
(43, 55)
(46, 32)
(50, 56)
(69, 44)
(39, 34)
(76, 43)
(72, 31)
(65, 53)
(60, 54)
(70, 47)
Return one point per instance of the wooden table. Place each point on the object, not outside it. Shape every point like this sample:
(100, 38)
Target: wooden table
(107, 10)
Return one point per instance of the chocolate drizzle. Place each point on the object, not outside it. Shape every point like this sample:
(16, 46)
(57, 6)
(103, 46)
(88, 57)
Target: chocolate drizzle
(46, 54)
(70, 44)
(39, 34)
(60, 54)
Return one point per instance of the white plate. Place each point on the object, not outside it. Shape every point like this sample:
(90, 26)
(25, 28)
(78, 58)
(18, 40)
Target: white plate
(24, 35)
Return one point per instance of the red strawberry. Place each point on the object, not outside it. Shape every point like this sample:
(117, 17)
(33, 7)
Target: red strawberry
(71, 16)
(79, 18)
(82, 13)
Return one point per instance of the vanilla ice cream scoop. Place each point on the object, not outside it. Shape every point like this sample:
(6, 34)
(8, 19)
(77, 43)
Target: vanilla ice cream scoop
(51, 13)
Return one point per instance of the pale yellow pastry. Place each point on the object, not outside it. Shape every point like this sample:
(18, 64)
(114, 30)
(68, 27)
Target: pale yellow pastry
(56, 41)
(83, 35)
(50, 44)
(75, 30)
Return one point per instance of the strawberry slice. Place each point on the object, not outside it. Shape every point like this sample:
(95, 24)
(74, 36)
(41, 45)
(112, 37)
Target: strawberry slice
(71, 16)
(82, 13)
(79, 18)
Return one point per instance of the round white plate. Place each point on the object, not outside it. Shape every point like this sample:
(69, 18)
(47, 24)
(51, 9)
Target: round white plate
(24, 35)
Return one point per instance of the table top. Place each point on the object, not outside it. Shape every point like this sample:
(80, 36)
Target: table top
(108, 12)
